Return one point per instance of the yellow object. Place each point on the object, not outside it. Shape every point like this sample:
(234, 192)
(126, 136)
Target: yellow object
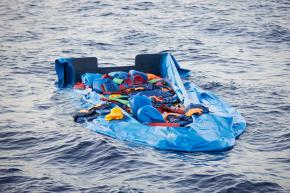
(116, 113)
(195, 111)
(112, 96)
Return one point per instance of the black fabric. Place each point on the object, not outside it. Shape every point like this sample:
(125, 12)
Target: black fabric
(148, 63)
(83, 65)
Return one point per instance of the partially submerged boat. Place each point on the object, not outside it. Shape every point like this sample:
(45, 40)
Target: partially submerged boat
(214, 130)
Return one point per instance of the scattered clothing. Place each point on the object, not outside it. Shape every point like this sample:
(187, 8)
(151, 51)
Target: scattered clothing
(118, 81)
(88, 78)
(140, 75)
(89, 114)
(119, 98)
(149, 98)
(80, 86)
(119, 75)
(193, 111)
(152, 76)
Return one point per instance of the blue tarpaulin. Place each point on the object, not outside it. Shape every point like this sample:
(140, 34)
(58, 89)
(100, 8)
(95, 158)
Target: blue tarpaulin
(212, 131)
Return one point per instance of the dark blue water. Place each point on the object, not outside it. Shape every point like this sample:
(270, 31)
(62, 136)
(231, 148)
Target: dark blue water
(239, 50)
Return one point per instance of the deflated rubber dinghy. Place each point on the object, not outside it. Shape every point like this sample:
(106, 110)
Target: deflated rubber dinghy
(150, 103)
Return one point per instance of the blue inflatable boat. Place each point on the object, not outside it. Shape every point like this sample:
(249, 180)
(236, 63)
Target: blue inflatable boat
(212, 131)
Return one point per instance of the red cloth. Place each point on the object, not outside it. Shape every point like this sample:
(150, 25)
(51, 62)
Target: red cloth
(80, 86)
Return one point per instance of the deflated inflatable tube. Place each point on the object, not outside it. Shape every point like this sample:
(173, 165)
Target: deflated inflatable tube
(69, 70)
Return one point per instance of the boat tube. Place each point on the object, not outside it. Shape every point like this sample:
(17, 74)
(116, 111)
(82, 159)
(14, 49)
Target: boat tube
(215, 130)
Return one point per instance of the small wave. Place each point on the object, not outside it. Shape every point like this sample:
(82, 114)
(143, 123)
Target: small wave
(211, 85)
(277, 34)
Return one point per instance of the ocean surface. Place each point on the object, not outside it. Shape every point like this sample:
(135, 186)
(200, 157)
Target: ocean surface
(240, 50)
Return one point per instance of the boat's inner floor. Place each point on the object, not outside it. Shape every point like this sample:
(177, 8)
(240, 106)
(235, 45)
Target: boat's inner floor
(148, 98)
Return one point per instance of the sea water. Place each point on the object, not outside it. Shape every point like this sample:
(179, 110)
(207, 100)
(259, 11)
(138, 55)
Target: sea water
(240, 50)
